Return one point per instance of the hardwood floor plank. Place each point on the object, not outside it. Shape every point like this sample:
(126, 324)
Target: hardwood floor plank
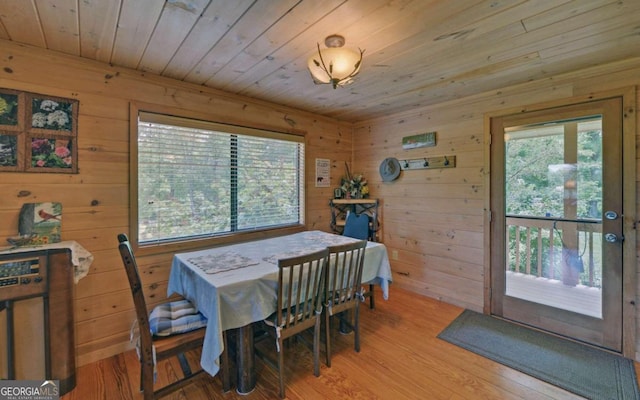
(105, 379)
(401, 358)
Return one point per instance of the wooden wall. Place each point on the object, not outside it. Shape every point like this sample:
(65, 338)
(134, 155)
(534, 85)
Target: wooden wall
(434, 219)
(95, 201)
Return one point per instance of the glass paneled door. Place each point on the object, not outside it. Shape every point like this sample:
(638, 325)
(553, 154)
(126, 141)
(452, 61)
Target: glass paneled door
(556, 257)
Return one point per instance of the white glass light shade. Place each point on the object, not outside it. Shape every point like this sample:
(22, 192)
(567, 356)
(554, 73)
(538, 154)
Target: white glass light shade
(335, 65)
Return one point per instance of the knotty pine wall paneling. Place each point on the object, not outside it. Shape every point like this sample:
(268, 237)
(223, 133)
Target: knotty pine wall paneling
(434, 219)
(96, 200)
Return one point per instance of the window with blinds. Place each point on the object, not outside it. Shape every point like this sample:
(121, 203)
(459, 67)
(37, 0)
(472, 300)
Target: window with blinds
(200, 179)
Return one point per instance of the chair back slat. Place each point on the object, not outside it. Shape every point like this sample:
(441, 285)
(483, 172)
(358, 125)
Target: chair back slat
(344, 274)
(300, 284)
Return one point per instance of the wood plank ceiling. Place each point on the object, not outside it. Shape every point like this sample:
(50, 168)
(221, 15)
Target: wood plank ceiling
(417, 52)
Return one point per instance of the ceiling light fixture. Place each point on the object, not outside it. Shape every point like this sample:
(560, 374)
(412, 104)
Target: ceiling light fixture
(336, 64)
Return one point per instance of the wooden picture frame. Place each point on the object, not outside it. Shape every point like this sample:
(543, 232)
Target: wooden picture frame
(427, 139)
(38, 133)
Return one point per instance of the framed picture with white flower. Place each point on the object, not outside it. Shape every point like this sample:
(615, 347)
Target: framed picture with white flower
(51, 153)
(51, 115)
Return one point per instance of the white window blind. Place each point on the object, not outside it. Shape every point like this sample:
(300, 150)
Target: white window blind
(200, 179)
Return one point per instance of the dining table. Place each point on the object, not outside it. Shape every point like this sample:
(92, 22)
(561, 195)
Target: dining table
(235, 285)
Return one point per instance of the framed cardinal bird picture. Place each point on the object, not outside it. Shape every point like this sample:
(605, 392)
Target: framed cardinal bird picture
(41, 221)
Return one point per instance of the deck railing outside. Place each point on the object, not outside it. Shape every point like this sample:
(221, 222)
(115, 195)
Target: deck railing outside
(535, 246)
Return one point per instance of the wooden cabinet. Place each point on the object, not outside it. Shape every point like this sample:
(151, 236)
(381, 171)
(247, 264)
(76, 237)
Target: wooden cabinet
(340, 207)
(36, 317)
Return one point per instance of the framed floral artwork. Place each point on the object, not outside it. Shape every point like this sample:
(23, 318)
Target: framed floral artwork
(9, 151)
(51, 115)
(38, 133)
(51, 153)
(12, 110)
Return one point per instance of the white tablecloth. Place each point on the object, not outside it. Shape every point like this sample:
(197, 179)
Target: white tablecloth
(235, 285)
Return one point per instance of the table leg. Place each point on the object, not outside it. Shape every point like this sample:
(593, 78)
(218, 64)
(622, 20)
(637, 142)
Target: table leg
(245, 360)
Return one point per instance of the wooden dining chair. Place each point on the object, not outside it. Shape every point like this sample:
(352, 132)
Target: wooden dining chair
(153, 349)
(299, 306)
(357, 226)
(343, 289)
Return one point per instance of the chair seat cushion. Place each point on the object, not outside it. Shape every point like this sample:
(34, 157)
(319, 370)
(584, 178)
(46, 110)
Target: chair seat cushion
(175, 317)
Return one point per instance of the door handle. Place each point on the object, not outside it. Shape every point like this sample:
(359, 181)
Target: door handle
(611, 215)
(613, 238)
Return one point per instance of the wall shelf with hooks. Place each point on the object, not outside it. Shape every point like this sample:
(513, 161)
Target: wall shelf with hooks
(428, 163)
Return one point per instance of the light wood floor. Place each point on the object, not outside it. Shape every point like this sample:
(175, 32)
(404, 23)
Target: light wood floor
(401, 358)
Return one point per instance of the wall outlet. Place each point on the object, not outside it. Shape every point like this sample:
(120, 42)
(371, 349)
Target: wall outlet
(394, 254)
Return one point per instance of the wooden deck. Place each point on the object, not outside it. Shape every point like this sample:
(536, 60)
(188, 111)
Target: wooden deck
(401, 358)
(551, 292)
